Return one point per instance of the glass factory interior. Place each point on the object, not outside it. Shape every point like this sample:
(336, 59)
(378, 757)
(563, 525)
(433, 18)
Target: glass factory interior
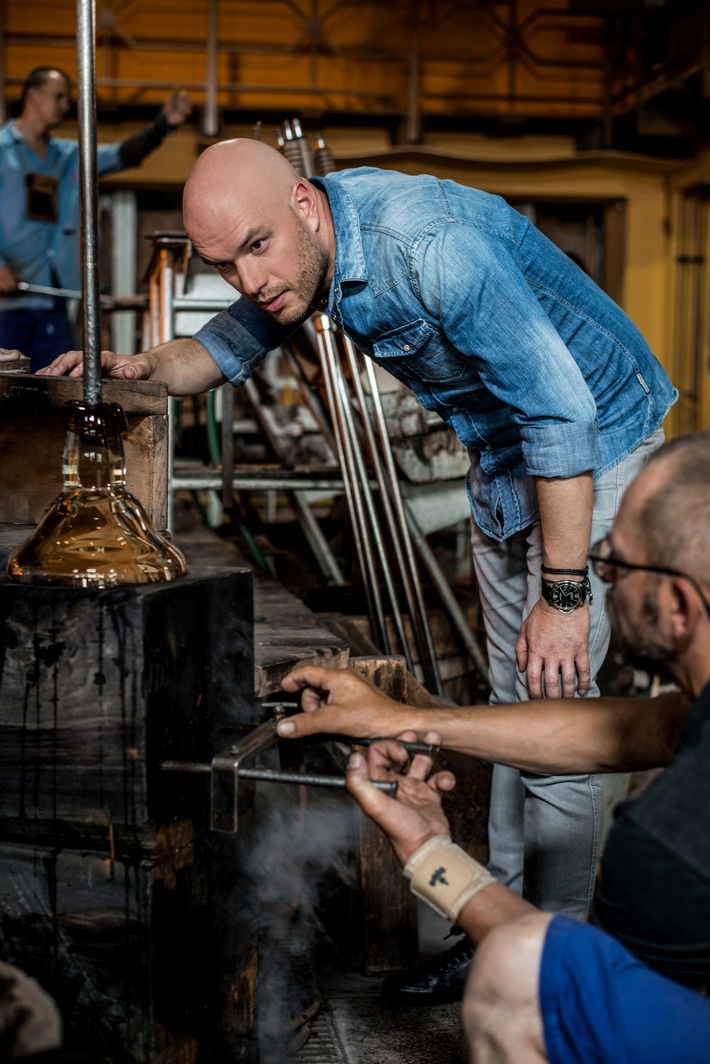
(195, 915)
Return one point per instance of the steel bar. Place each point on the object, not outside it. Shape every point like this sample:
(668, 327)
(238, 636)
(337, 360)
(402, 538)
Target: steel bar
(433, 675)
(268, 776)
(224, 775)
(447, 596)
(88, 186)
(210, 120)
(319, 546)
(326, 349)
(209, 481)
(375, 528)
(310, 399)
(387, 510)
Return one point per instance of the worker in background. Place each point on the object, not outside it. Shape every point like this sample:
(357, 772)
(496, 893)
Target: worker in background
(39, 210)
(553, 390)
(544, 987)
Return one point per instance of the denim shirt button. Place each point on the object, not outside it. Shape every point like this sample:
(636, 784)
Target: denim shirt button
(406, 347)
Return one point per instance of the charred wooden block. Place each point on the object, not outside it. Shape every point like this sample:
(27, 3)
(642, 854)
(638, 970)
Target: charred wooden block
(97, 688)
(141, 947)
(114, 894)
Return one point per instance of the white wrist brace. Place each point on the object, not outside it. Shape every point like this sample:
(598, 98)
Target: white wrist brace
(444, 876)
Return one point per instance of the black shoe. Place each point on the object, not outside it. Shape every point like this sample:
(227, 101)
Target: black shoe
(438, 981)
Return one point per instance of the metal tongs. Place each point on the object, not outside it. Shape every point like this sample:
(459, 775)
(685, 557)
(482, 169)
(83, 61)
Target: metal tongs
(226, 768)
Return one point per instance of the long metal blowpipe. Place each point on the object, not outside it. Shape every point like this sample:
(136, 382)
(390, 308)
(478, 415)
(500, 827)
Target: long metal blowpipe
(86, 98)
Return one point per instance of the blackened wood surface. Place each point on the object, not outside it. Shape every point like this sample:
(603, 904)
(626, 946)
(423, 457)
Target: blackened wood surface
(97, 688)
(146, 951)
(286, 632)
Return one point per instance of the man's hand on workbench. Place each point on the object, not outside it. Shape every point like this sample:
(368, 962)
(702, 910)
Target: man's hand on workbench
(415, 815)
(125, 367)
(340, 702)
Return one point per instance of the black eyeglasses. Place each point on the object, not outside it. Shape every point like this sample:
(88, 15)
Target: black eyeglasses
(605, 565)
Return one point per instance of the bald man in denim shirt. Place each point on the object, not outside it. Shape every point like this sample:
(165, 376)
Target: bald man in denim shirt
(550, 386)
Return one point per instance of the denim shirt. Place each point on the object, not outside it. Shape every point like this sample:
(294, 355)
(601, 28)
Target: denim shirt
(45, 253)
(457, 295)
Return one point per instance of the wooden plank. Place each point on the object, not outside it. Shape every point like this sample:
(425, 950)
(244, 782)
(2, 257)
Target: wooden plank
(385, 937)
(27, 391)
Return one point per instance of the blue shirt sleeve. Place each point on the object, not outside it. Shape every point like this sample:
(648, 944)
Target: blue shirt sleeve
(240, 337)
(489, 312)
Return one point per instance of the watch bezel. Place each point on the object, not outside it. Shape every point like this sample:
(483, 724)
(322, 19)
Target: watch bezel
(569, 589)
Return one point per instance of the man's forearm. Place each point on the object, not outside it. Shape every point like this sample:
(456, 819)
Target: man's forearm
(184, 365)
(565, 520)
(564, 736)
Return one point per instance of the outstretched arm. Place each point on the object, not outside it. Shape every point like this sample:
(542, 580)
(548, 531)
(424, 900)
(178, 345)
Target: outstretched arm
(560, 736)
(552, 648)
(440, 872)
(184, 365)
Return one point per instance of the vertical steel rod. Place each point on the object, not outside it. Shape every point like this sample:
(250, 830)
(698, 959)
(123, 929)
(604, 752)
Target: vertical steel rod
(86, 97)
(388, 515)
(447, 596)
(327, 352)
(404, 526)
(210, 121)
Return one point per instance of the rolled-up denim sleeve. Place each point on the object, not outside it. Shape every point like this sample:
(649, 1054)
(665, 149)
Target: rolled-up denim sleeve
(239, 338)
(515, 351)
(561, 450)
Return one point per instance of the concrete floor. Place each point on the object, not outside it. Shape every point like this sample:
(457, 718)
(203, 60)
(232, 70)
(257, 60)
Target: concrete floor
(355, 1026)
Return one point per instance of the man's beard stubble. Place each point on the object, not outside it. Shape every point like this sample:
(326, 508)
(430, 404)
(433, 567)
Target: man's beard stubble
(644, 647)
(311, 276)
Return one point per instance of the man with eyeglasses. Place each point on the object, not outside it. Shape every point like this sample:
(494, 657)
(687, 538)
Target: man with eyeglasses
(634, 987)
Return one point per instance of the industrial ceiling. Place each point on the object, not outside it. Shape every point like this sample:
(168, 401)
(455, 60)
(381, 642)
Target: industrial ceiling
(627, 75)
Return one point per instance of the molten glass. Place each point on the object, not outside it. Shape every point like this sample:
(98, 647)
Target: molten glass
(95, 534)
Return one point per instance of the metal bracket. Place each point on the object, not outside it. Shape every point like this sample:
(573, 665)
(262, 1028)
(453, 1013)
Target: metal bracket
(224, 776)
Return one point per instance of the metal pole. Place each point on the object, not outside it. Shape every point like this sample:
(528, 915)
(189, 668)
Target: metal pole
(210, 122)
(326, 349)
(447, 596)
(86, 98)
(388, 514)
(404, 527)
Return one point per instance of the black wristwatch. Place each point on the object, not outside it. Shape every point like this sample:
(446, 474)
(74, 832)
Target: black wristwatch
(566, 595)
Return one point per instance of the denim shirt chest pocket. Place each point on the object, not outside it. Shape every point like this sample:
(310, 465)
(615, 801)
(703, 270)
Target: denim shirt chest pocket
(420, 352)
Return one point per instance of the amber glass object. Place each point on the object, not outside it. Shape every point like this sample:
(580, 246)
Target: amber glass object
(95, 534)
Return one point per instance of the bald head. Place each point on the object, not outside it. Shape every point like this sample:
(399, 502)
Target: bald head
(669, 504)
(266, 230)
(234, 175)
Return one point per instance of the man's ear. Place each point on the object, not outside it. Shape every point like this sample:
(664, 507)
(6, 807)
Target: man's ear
(304, 202)
(686, 609)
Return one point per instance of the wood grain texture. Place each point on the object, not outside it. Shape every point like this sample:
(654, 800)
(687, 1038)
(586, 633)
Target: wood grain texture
(32, 440)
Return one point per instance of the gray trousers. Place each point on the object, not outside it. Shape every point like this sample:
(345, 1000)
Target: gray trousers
(545, 833)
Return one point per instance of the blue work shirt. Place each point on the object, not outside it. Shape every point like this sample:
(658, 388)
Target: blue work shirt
(455, 293)
(40, 252)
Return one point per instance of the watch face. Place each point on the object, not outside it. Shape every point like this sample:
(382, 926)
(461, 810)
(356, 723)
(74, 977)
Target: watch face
(566, 595)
